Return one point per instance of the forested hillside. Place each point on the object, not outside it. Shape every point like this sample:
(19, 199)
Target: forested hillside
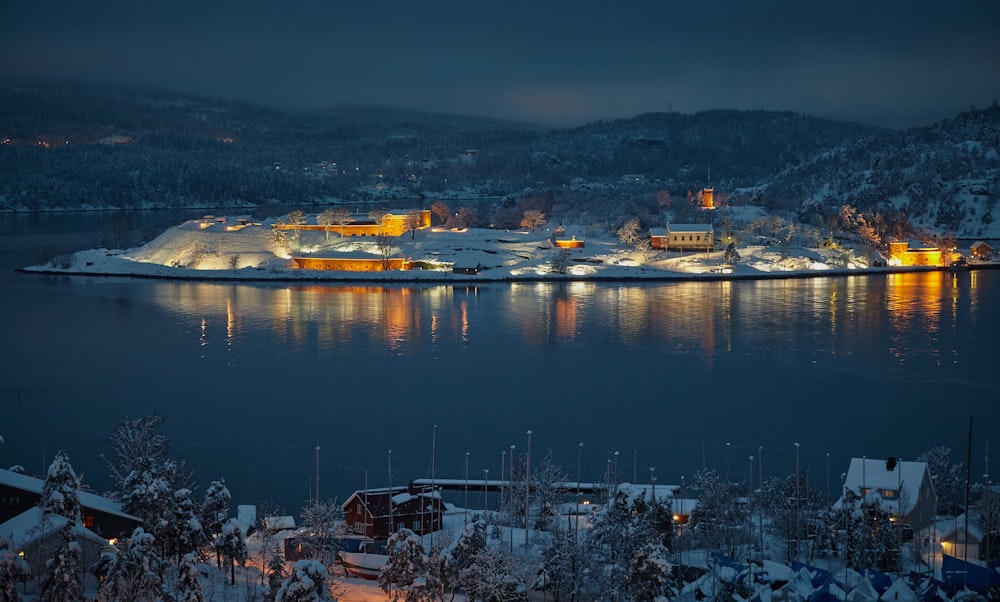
(72, 146)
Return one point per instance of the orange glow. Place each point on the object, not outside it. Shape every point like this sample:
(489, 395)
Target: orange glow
(572, 243)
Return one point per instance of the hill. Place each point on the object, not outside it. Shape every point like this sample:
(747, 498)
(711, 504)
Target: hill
(73, 146)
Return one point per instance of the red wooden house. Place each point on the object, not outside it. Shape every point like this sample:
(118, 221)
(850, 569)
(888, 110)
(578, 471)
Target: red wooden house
(377, 513)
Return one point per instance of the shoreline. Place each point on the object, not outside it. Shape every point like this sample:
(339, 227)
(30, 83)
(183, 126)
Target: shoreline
(463, 279)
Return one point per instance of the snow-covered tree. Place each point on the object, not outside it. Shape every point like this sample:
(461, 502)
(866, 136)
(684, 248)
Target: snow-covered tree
(873, 540)
(320, 518)
(306, 583)
(459, 556)
(188, 586)
(545, 497)
(215, 510)
(719, 520)
(59, 491)
(135, 446)
(136, 574)
(231, 546)
(183, 532)
(561, 570)
(64, 580)
(13, 570)
(787, 514)
(620, 530)
(649, 576)
(275, 577)
(630, 233)
(495, 576)
(407, 563)
(948, 479)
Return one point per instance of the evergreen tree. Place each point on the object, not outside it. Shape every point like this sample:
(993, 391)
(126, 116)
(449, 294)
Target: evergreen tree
(59, 491)
(407, 563)
(719, 520)
(231, 546)
(215, 507)
(650, 574)
(183, 530)
(275, 577)
(64, 581)
(188, 586)
(307, 583)
(136, 575)
(561, 570)
(494, 576)
(13, 570)
(471, 543)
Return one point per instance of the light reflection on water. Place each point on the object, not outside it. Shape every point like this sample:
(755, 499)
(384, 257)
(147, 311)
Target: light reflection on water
(252, 377)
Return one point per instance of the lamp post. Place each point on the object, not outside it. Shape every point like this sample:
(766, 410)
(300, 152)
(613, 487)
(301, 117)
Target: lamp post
(798, 504)
(486, 480)
(760, 511)
(527, 487)
(465, 521)
(579, 456)
(750, 499)
(317, 474)
(510, 502)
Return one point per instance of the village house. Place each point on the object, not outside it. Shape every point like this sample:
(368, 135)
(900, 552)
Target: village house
(36, 535)
(910, 253)
(683, 237)
(377, 513)
(980, 250)
(19, 493)
(903, 489)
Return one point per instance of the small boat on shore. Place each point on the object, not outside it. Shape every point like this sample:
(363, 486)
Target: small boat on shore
(362, 565)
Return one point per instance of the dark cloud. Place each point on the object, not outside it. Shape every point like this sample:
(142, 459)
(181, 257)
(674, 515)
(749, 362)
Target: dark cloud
(888, 62)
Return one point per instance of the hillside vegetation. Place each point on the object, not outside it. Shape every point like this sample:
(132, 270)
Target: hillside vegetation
(74, 146)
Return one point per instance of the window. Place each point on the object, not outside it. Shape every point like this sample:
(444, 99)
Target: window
(88, 521)
(890, 494)
(416, 525)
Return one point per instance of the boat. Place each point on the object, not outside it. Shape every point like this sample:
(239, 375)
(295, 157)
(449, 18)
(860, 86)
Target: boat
(362, 564)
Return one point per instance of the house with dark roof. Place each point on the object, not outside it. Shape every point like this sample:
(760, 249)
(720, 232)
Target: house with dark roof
(20, 492)
(377, 513)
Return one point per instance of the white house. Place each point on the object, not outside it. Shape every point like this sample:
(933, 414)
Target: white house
(903, 489)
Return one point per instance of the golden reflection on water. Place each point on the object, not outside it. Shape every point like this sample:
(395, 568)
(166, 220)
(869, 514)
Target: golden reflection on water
(823, 316)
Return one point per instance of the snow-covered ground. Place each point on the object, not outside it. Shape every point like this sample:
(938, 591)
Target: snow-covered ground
(215, 250)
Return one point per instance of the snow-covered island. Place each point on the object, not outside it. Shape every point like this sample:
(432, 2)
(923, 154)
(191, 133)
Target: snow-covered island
(402, 246)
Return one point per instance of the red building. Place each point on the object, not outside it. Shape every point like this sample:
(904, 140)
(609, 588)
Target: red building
(377, 513)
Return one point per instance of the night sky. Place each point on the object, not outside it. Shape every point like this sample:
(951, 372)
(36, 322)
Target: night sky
(885, 62)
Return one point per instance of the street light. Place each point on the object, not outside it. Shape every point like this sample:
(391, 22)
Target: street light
(527, 481)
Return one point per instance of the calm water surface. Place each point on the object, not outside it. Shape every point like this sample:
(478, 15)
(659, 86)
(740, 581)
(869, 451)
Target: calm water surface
(251, 378)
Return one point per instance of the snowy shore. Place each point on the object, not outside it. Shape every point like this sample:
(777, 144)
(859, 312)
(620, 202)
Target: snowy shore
(191, 251)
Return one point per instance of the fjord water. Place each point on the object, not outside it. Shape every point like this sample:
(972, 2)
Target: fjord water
(251, 378)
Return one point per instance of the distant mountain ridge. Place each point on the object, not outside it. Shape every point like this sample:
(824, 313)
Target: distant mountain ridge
(70, 146)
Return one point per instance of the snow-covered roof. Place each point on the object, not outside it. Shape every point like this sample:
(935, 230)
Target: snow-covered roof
(32, 525)
(689, 227)
(954, 531)
(659, 232)
(87, 499)
(870, 477)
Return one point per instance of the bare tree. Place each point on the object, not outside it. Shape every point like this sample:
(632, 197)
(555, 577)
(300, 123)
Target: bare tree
(441, 211)
(561, 261)
(325, 219)
(630, 233)
(378, 216)
(414, 219)
(532, 219)
(341, 217)
(385, 249)
(467, 217)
